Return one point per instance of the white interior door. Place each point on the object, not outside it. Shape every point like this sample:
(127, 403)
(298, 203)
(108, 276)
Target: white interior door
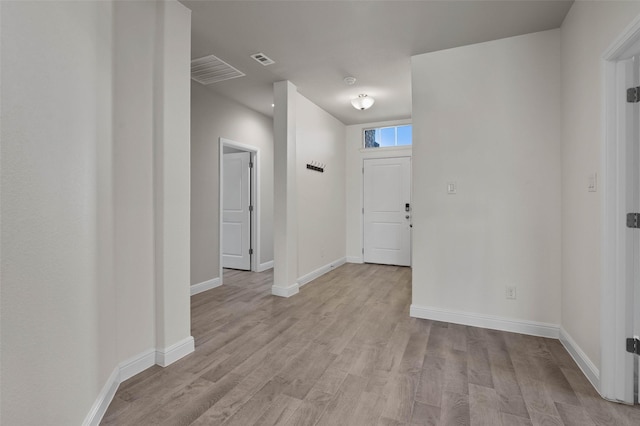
(387, 211)
(631, 186)
(236, 216)
(634, 176)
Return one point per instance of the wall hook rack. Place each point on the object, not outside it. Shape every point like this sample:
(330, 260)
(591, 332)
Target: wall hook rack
(315, 166)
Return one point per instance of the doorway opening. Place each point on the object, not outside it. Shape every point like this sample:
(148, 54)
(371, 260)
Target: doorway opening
(239, 216)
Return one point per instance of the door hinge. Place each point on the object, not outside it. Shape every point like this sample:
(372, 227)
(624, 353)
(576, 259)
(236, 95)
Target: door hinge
(633, 220)
(363, 210)
(633, 95)
(250, 164)
(250, 208)
(362, 250)
(251, 251)
(633, 346)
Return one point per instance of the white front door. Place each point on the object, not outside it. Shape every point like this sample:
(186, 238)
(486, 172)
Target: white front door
(387, 211)
(236, 217)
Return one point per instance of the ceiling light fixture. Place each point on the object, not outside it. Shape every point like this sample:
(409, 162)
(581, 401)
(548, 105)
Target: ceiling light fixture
(362, 102)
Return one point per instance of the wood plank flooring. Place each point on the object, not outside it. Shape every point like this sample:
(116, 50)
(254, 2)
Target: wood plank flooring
(344, 351)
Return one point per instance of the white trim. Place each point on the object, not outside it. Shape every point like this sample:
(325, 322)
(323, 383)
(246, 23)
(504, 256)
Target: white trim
(103, 400)
(616, 295)
(136, 364)
(389, 152)
(265, 266)
(205, 285)
(220, 210)
(621, 46)
(486, 321)
(305, 279)
(385, 148)
(122, 372)
(355, 259)
(168, 356)
(285, 291)
(586, 365)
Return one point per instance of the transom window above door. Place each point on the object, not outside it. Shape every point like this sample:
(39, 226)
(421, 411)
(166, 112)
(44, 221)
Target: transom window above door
(386, 137)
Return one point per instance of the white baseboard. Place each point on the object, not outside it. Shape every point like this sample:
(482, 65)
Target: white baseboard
(205, 285)
(130, 368)
(321, 271)
(588, 368)
(174, 352)
(103, 400)
(516, 326)
(265, 266)
(137, 364)
(285, 291)
(355, 259)
(486, 321)
(122, 372)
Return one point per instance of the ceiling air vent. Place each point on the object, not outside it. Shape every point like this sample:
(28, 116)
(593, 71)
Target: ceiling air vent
(263, 59)
(211, 69)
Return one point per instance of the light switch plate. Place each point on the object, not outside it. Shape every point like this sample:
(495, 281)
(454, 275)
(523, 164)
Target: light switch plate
(592, 182)
(451, 188)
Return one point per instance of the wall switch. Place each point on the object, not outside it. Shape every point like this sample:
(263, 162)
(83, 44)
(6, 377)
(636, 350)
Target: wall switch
(592, 182)
(510, 293)
(451, 188)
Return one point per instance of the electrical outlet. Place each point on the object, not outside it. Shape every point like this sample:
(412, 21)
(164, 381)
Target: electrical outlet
(510, 293)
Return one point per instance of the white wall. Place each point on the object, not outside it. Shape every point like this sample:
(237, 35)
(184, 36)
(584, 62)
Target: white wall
(133, 176)
(79, 134)
(487, 116)
(285, 193)
(214, 116)
(588, 29)
(321, 196)
(172, 181)
(53, 360)
(355, 155)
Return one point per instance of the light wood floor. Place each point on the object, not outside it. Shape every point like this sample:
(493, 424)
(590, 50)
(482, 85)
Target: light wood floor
(345, 352)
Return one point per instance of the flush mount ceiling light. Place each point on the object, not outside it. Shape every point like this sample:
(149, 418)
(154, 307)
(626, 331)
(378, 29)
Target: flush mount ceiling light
(362, 102)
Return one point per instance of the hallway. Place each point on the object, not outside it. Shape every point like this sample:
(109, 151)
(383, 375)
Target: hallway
(344, 351)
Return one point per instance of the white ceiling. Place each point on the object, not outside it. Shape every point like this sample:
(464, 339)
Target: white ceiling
(315, 44)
